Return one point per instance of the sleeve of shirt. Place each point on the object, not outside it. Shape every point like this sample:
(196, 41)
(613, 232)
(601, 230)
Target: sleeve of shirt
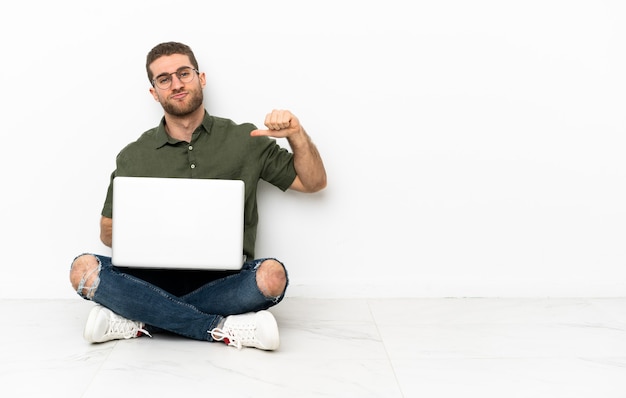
(124, 166)
(278, 167)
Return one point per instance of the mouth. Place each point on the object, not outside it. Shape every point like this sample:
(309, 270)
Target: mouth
(179, 96)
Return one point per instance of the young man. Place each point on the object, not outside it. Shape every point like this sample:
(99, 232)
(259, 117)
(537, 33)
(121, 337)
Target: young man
(191, 143)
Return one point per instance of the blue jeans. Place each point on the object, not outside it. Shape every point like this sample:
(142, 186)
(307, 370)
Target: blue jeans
(192, 315)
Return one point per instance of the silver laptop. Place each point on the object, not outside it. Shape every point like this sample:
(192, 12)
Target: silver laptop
(178, 223)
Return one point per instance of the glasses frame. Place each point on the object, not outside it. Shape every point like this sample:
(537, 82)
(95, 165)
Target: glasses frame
(178, 71)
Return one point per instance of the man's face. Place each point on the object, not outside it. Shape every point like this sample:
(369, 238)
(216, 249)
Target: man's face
(180, 98)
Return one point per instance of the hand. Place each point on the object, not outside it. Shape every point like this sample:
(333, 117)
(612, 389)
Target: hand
(280, 124)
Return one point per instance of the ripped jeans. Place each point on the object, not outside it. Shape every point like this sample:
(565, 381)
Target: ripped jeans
(192, 315)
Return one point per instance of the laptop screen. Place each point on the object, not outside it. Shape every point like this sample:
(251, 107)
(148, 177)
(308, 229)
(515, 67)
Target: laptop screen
(178, 223)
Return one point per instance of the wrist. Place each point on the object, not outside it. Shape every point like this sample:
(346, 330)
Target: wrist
(298, 138)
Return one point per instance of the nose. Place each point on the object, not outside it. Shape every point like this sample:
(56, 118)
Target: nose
(176, 82)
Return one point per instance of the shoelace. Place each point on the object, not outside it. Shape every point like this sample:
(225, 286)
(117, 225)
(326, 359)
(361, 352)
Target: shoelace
(244, 335)
(228, 338)
(119, 326)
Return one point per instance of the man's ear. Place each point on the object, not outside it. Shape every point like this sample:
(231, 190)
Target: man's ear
(154, 94)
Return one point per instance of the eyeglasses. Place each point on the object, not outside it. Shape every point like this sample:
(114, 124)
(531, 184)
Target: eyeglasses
(184, 74)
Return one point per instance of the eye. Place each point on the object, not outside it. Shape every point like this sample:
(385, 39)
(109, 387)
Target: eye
(163, 79)
(184, 73)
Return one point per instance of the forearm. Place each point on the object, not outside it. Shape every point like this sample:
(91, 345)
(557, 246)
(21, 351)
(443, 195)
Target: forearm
(106, 231)
(307, 162)
(310, 172)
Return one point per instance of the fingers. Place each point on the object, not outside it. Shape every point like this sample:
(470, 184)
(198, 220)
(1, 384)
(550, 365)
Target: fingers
(280, 119)
(280, 124)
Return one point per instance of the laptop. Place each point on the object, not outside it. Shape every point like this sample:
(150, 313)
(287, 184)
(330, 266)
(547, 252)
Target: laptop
(178, 223)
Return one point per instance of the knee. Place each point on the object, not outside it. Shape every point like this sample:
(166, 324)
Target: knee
(84, 274)
(271, 278)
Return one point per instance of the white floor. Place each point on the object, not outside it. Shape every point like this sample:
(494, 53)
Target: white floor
(334, 348)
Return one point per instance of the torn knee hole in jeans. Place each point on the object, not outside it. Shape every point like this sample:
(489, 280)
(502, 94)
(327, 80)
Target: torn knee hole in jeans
(89, 291)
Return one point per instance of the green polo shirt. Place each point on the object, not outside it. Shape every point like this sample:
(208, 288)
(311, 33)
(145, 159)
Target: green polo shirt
(220, 149)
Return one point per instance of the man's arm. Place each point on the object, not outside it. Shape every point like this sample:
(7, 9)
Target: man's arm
(311, 174)
(106, 230)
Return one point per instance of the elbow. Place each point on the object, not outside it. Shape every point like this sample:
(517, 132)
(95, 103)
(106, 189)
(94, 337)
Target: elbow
(318, 186)
(322, 185)
(106, 240)
(106, 231)
(309, 185)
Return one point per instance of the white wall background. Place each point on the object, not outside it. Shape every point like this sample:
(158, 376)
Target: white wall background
(474, 148)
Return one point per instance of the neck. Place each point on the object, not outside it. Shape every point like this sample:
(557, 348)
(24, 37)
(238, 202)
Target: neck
(182, 127)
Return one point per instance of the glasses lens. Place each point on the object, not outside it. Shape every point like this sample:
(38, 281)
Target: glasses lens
(185, 75)
(163, 81)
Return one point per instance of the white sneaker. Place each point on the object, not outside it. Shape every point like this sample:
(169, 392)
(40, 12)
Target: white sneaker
(104, 325)
(254, 329)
